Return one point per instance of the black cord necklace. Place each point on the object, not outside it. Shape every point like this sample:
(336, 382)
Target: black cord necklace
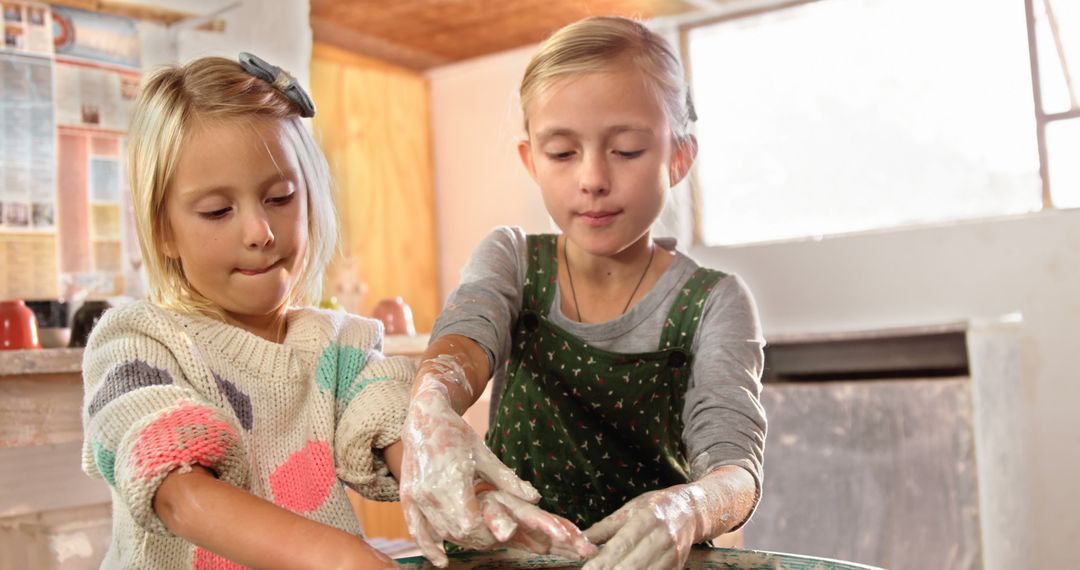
(573, 293)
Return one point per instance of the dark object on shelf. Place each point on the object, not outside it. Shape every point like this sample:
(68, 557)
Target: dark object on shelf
(52, 319)
(51, 313)
(84, 320)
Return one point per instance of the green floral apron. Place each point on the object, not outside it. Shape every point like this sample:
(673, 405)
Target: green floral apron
(592, 429)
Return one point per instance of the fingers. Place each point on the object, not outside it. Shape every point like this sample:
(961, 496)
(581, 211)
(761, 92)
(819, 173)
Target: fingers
(479, 539)
(497, 517)
(541, 531)
(429, 543)
(443, 490)
(538, 520)
(638, 530)
(456, 517)
(666, 561)
(490, 468)
(654, 550)
(602, 531)
(579, 547)
(549, 536)
(441, 507)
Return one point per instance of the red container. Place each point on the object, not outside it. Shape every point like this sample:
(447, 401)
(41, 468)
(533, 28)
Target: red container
(18, 326)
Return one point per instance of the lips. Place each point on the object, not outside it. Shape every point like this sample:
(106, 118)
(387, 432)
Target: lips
(599, 217)
(258, 271)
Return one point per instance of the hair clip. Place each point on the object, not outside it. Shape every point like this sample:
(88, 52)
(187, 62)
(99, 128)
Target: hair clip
(281, 80)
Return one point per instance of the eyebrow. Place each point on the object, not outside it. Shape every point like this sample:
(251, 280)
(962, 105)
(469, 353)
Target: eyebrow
(613, 130)
(198, 192)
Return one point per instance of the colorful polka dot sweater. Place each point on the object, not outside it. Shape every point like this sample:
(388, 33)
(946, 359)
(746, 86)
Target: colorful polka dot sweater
(288, 422)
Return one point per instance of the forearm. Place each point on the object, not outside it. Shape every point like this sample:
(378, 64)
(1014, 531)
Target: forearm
(392, 454)
(254, 532)
(449, 351)
(724, 498)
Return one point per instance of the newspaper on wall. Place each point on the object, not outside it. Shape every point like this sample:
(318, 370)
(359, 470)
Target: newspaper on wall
(68, 81)
(28, 162)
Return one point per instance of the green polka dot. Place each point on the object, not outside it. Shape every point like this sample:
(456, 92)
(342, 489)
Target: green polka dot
(357, 387)
(106, 462)
(338, 368)
(326, 373)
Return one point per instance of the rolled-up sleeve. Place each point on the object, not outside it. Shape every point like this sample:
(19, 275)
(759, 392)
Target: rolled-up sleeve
(372, 396)
(142, 419)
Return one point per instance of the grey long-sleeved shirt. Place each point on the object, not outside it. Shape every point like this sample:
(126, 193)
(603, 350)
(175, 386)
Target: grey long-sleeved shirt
(724, 421)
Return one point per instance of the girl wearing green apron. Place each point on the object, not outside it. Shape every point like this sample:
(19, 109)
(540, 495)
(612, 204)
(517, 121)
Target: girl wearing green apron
(625, 377)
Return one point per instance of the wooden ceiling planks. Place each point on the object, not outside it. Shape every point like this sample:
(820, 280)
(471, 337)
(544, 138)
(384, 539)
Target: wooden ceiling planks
(420, 34)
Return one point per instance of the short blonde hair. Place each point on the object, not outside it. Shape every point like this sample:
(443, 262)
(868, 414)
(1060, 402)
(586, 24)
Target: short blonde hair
(171, 105)
(601, 42)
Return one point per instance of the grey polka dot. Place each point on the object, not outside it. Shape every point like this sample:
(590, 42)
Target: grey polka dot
(240, 402)
(125, 378)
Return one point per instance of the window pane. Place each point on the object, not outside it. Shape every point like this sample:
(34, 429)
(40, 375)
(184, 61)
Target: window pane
(851, 115)
(1063, 158)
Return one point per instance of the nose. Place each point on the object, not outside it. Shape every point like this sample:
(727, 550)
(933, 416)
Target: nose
(257, 231)
(595, 177)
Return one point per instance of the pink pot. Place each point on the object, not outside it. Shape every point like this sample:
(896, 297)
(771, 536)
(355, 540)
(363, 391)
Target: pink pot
(395, 315)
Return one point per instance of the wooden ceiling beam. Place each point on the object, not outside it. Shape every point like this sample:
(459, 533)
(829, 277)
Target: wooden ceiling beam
(330, 32)
(424, 33)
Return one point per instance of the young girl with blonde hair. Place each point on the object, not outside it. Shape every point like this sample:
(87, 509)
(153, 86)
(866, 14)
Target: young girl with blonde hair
(225, 412)
(626, 377)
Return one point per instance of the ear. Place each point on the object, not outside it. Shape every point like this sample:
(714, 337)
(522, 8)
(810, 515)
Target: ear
(683, 153)
(525, 153)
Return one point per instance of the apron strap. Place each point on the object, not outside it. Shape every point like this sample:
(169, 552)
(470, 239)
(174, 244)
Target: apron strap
(542, 275)
(685, 315)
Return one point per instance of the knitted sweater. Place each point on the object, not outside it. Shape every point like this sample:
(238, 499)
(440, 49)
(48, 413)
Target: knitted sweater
(287, 422)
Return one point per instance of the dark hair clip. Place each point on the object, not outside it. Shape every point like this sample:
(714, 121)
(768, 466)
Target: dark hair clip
(280, 79)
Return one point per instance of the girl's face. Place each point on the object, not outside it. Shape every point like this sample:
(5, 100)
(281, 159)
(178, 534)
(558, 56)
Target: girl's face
(600, 147)
(238, 220)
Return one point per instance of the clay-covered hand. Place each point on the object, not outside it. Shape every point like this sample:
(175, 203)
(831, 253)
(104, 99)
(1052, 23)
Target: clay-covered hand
(514, 523)
(657, 529)
(442, 460)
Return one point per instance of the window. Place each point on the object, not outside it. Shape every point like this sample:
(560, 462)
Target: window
(839, 116)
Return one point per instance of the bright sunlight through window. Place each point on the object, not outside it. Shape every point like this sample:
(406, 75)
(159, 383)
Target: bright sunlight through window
(851, 115)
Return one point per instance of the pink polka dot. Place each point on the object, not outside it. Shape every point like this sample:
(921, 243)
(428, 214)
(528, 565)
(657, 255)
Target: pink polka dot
(187, 435)
(305, 480)
(206, 560)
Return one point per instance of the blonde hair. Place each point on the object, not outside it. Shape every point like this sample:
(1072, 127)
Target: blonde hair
(172, 103)
(601, 42)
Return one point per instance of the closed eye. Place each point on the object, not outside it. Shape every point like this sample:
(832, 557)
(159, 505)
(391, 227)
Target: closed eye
(629, 153)
(560, 156)
(216, 214)
(282, 200)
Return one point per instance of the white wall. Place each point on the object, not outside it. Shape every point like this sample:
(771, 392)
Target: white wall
(277, 31)
(479, 180)
(1027, 264)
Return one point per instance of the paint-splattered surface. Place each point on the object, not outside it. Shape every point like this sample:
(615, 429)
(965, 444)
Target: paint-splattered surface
(700, 559)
